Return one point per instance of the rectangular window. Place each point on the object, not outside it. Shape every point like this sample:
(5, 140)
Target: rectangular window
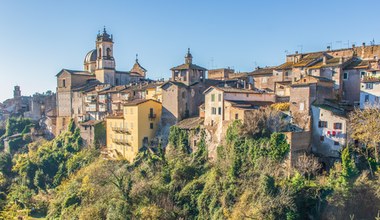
(338, 126)
(366, 98)
(322, 124)
(302, 106)
(336, 143)
(369, 86)
(213, 111)
(219, 111)
(345, 75)
(220, 97)
(213, 97)
(64, 83)
(322, 138)
(151, 125)
(362, 74)
(236, 116)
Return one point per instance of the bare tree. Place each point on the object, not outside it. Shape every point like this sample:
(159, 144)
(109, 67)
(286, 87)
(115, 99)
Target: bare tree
(263, 122)
(364, 126)
(307, 165)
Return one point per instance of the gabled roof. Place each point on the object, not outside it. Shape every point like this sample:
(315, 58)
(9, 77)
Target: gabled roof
(179, 84)
(247, 105)
(139, 101)
(285, 66)
(308, 60)
(75, 72)
(231, 90)
(187, 66)
(333, 109)
(190, 123)
(309, 79)
(358, 64)
(262, 71)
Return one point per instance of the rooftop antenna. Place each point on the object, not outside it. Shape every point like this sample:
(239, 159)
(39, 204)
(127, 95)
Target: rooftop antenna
(300, 46)
(212, 62)
(339, 42)
(348, 44)
(255, 63)
(372, 42)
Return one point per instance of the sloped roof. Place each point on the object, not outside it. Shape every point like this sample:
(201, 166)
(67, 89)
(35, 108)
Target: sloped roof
(284, 66)
(139, 101)
(187, 66)
(231, 90)
(308, 59)
(190, 123)
(249, 104)
(358, 64)
(311, 80)
(75, 72)
(262, 71)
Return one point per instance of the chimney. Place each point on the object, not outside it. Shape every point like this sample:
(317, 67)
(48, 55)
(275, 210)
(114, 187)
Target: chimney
(238, 85)
(296, 51)
(341, 59)
(353, 46)
(328, 48)
(324, 60)
(244, 84)
(249, 86)
(363, 44)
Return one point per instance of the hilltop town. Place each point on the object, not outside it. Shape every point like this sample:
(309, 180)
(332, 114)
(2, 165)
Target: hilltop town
(274, 142)
(317, 90)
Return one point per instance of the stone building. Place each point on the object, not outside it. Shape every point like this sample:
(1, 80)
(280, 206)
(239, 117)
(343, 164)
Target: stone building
(40, 105)
(303, 93)
(183, 93)
(99, 70)
(227, 104)
(329, 129)
(220, 74)
(308, 90)
(18, 104)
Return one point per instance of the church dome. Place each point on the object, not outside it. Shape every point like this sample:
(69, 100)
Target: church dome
(90, 56)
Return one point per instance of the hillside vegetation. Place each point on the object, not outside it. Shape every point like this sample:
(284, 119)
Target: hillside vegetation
(250, 179)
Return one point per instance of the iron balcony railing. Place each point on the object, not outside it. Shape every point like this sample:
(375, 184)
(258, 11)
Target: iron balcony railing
(121, 141)
(121, 130)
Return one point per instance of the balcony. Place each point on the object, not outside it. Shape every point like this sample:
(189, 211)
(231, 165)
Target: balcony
(90, 109)
(90, 99)
(121, 141)
(102, 108)
(152, 116)
(121, 130)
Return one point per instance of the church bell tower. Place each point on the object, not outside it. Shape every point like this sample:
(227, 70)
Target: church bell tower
(105, 62)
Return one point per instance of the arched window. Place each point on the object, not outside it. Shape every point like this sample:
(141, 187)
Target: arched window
(100, 52)
(108, 52)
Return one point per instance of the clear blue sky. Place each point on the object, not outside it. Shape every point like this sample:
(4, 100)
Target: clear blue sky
(39, 38)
